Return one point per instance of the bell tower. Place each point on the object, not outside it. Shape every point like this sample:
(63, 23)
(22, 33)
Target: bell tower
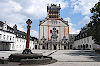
(53, 11)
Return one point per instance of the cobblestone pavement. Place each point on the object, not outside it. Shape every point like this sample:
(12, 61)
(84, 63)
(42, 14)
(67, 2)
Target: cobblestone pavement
(63, 57)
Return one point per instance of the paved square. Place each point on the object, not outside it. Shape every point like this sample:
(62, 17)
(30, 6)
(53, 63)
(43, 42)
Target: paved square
(63, 57)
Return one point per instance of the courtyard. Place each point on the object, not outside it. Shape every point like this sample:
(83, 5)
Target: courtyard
(63, 57)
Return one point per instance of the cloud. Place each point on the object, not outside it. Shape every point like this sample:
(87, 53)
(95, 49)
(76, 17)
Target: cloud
(83, 6)
(72, 29)
(34, 33)
(37, 8)
(85, 20)
(9, 13)
(18, 11)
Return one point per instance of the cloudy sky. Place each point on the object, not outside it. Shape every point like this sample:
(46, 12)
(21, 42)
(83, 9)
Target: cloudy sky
(18, 11)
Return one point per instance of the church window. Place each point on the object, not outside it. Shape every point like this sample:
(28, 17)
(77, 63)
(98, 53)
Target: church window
(57, 31)
(53, 28)
(50, 31)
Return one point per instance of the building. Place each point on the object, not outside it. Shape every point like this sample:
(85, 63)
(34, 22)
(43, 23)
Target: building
(12, 39)
(53, 30)
(71, 42)
(35, 43)
(84, 40)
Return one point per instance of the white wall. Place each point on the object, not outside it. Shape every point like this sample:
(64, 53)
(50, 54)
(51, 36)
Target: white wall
(18, 43)
(8, 37)
(59, 25)
(87, 40)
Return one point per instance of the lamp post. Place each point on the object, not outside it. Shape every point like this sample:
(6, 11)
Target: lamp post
(27, 50)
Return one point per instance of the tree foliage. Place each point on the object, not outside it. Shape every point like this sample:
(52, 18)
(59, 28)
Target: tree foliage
(95, 23)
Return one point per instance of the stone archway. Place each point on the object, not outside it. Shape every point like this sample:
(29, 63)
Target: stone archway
(83, 46)
(86, 45)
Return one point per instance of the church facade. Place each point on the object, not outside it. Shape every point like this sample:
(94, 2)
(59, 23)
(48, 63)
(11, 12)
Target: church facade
(53, 30)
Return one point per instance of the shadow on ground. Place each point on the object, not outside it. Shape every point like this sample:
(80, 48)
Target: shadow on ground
(90, 54)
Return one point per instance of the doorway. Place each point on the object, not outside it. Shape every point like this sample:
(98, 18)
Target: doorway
(55, 47)
(35, 46)
(64, 47)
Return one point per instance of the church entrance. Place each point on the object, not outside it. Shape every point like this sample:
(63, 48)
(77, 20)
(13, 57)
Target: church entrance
(64, 47)
(43, 47)
(70, 46)
(55, 47)
(35, 46)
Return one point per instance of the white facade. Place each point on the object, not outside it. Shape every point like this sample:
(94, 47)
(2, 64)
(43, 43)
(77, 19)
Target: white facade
(84, 43)
(59, 25)
(53, 30)
(9, 40)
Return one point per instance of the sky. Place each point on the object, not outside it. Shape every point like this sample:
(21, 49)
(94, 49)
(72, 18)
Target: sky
(76, 12)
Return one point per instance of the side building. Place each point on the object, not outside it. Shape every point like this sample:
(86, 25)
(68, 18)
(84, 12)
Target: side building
(84, 40)
(71, 42)
(13, 39)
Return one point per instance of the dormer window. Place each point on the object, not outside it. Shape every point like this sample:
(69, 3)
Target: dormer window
(24, 36)
(13, 31)
(5, 26)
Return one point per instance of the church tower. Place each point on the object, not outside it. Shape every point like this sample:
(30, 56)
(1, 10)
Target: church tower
(53, 30)
(53, 11)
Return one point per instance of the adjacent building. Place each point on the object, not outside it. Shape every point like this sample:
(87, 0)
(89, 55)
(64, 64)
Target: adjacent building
(84, 40)
(13, 39)
(53, 30)
(71, 42)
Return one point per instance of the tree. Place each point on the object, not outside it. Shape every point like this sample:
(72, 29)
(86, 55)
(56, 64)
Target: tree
(95, 23)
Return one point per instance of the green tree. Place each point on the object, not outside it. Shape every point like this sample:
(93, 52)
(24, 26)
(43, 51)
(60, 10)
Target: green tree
(95, 23)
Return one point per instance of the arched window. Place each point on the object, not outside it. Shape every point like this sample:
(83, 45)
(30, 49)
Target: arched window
(50, 31)
(86, 45)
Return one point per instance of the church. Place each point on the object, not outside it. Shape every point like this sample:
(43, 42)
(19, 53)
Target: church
(53, 30)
